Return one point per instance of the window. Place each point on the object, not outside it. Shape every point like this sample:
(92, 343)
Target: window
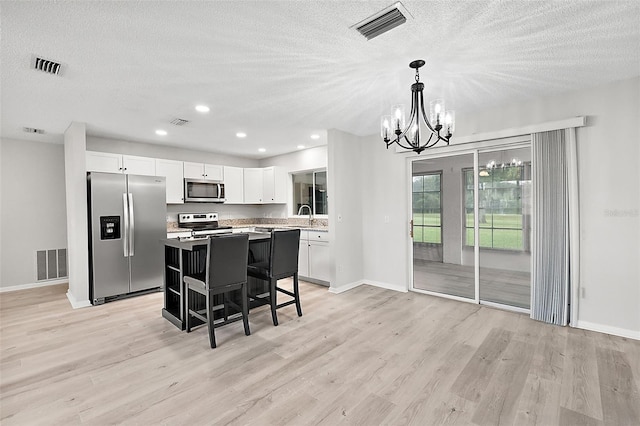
(427, 208)
(501, 192)
(310, 189)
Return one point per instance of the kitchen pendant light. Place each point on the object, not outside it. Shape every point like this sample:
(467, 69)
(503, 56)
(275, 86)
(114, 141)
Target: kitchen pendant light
(415, 134)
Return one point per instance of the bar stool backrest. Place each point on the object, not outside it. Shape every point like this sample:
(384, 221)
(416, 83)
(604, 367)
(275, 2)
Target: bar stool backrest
(227, 260)
(285, 246)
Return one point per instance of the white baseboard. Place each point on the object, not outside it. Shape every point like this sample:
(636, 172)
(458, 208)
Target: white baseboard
(33, 285)
(622, 332)
(388, 286)
(346, 287)
(75, 304)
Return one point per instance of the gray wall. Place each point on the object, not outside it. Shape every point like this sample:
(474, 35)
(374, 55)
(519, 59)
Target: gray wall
(33, 212)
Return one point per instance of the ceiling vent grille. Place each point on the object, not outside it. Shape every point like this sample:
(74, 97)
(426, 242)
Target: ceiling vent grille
(179, 121)
(32, 130)
(383, 21)
(45, 65)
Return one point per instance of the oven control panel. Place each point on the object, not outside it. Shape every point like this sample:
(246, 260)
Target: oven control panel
(197, 217)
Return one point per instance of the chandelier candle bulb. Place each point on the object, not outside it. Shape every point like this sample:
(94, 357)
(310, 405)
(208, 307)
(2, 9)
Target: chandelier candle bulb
(398, 118)
(385, 127)
(450, 122)
(437, 112)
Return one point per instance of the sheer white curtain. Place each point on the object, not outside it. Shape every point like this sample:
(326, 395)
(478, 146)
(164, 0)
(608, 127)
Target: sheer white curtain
(555, 271)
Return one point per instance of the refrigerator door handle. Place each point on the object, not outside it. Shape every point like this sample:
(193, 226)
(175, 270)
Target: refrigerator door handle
(125, 218)
(131, 226)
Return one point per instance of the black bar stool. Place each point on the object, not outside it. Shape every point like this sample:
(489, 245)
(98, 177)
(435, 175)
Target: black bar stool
(226, 271)
(282, 263)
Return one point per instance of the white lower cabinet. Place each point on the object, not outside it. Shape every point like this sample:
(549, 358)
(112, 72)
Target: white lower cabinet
(303, 257)
(314, 261)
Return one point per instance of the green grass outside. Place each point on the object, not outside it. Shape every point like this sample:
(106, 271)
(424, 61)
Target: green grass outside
(426, 229)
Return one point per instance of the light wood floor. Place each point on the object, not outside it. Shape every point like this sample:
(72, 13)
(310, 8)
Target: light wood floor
(368, 356)
(496, 285)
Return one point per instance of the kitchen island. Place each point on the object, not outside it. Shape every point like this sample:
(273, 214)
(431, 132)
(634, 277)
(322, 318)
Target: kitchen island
(187, 256)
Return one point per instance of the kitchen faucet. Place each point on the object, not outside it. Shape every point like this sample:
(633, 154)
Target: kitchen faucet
(310, 214)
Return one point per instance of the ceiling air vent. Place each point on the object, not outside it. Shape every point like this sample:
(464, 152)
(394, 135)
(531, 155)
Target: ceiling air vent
(32, 130)
(45, 65)
(383, 21)
(179, 122)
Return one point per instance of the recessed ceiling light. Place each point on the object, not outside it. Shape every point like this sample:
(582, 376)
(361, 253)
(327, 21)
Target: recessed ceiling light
(300, 146)
(202, 108)
(241, 135)
(314, 136)
(161, 132)
(262, 150)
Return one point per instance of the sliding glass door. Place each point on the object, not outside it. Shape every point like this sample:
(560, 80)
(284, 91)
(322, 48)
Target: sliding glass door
(456, 202)
(439, 264)
(504, 201)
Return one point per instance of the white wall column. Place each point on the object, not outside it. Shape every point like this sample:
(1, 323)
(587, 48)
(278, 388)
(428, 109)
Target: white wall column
(75, 144)
(345, 186)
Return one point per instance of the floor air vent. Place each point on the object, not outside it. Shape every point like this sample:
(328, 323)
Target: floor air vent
(45, 65)
(51, 264)
(383, 21)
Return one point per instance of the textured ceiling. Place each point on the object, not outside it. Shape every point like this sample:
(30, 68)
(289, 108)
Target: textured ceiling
(281, 70)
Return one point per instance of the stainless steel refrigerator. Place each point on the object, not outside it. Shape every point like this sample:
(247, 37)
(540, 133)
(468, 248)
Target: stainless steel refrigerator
(127, 220)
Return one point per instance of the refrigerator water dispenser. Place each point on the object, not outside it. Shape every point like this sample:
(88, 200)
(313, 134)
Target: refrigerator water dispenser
(109, 227)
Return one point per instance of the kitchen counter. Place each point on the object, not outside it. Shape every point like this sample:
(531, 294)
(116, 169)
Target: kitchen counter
(187, 256)
(265, 226)
(283, 226)
(191, 242)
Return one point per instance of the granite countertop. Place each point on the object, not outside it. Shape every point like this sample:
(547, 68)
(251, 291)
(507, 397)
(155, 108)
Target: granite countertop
(317, 224)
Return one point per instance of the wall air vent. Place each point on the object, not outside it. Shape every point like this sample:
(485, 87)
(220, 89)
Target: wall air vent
(383, 21)
(45, 65)
(32, 130)
(51, 264)
(179, 122)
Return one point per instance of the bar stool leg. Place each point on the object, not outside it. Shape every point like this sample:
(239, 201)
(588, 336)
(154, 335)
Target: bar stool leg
(297, 294)
(187, 316)
(245, 310)
(273, 298)
(212, 336)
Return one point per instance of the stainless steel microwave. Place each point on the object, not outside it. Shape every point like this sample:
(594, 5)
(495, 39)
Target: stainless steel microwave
(203, 191)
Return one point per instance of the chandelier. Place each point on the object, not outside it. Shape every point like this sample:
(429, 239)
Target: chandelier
(417, 136)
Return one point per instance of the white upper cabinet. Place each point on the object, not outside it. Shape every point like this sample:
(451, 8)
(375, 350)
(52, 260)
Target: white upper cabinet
(265, 185)
(118, 163)
(133, 165)
(253, 186)
(203, 171)
(234, 185)
(274, 185)
(212, 172)
(104, 162)
(173, 172)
